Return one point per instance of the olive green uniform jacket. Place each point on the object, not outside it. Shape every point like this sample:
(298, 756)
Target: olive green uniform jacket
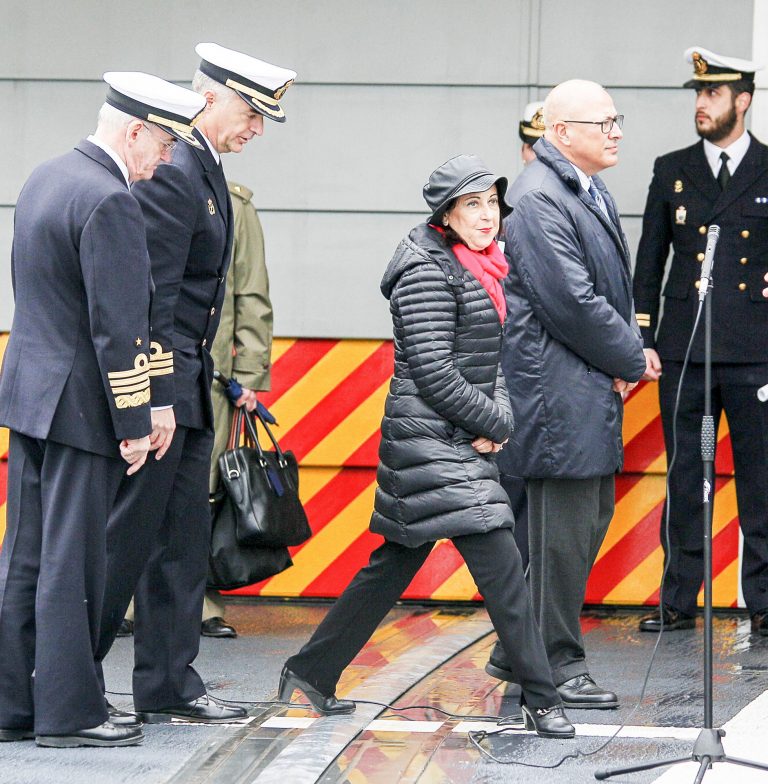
(244, 340)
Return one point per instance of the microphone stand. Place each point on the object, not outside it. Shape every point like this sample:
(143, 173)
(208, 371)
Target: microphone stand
(708, 747)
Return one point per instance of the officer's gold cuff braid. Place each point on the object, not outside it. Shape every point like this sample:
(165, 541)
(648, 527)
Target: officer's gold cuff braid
(160, 362)
(131, 387)
(643, 319)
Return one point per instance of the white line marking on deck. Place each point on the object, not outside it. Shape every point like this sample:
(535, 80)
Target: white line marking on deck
(745, 737)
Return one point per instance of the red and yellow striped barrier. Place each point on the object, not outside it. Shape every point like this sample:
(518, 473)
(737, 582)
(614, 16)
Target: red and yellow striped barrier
(328, 396)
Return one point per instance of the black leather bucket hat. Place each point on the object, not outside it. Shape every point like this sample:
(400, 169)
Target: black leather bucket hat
(456, 177)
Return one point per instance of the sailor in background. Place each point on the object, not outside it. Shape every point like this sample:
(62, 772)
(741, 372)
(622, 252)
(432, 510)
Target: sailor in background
(723, 180)
(242, 349)
(74, 391)
(158, 534)
(531, 129)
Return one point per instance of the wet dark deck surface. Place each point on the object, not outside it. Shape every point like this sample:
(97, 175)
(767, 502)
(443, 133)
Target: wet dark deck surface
(435, 659)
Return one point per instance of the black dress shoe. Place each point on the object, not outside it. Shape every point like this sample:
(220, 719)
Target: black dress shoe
(759, 623)
(122, 718)
(105, 734)
(16, 734)
(673, 620)
(205, 710)
(126, 628)
(548, 722)
(217, 627)
(328, 706)
(583, 692)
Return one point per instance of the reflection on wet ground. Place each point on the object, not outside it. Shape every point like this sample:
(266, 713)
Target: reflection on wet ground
(449, 647)
(424, 746)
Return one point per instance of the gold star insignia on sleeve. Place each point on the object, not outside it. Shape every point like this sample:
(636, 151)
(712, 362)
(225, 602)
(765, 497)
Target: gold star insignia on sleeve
(138, 341)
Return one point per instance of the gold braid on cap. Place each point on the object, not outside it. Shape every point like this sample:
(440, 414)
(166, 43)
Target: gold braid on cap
(537, 121)
(699, 64)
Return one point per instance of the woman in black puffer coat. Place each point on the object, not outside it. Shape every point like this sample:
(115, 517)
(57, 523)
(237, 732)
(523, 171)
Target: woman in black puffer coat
(446, 415)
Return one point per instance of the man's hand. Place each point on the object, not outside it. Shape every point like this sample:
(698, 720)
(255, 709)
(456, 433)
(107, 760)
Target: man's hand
(623, 387)
(652, 364)
(163, 427)
(484, 445)
(134, 451)
(247, 399)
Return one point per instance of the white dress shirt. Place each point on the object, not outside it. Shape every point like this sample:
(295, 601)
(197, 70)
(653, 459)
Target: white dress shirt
(214, 151)
(736, 152)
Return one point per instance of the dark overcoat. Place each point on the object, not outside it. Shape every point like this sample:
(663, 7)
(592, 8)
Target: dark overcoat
(570, 327)
(447, 389)
(76, 368)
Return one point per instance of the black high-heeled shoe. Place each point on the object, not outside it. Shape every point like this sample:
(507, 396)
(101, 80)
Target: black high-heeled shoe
(328, 706)
(548, 722)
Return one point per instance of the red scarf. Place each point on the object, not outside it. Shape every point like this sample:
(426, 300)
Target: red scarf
(489, 266)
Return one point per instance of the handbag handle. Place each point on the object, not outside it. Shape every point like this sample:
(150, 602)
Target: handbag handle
(250, 426)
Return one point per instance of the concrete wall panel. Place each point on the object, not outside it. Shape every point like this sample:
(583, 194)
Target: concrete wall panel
(338, 41)
(637, 44)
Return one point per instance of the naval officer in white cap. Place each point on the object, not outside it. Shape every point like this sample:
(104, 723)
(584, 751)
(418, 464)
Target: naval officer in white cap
(531, 129)
(74, 391)
(158, 535)
(722, 180)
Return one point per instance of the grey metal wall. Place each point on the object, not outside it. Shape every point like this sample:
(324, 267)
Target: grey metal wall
(386, 91)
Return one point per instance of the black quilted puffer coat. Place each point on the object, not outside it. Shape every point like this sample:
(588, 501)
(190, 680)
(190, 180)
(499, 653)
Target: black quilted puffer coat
(447, 389)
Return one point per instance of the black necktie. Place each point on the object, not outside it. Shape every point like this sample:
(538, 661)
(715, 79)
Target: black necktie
(723, 176)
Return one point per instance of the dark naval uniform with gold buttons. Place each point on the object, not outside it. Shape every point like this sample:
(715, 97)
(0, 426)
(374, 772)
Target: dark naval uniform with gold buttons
(158, 534)
(75, 381)
(684, 199)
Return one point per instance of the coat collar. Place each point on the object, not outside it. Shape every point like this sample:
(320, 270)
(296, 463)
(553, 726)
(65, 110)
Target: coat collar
(214, 173)
(751, 168)
(699, 173)
(95, 153)
(550, 156)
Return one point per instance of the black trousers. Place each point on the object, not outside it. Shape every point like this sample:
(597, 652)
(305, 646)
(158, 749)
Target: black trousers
(52, 571)
(493, 561)
(157, 549)
(734, 390)
(514, 486)
(567, 522)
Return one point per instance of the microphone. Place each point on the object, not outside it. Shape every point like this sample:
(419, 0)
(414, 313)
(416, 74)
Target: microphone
(709, 259)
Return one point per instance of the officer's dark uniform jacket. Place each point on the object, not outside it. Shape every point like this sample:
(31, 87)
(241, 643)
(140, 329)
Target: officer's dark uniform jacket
(78, 376)
(684, 199)
(188, 213)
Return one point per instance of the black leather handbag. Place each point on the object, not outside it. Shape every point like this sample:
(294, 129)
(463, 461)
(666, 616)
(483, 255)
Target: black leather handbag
(262, 487)
(232, 565)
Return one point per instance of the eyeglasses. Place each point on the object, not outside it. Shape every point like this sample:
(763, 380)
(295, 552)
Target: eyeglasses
(167, 146)
(605, 125)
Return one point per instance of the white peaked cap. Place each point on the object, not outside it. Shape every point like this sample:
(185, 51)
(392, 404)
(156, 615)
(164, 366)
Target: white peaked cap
(175, 109)
(260, 84)
(712, 68)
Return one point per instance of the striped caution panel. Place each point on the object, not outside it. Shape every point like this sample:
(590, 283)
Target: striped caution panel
(328, 397)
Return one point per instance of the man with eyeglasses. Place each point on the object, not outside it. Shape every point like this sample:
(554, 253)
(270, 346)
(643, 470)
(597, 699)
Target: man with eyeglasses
(721, 180)
(159, 532)
(75, 393)
(571, 350)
